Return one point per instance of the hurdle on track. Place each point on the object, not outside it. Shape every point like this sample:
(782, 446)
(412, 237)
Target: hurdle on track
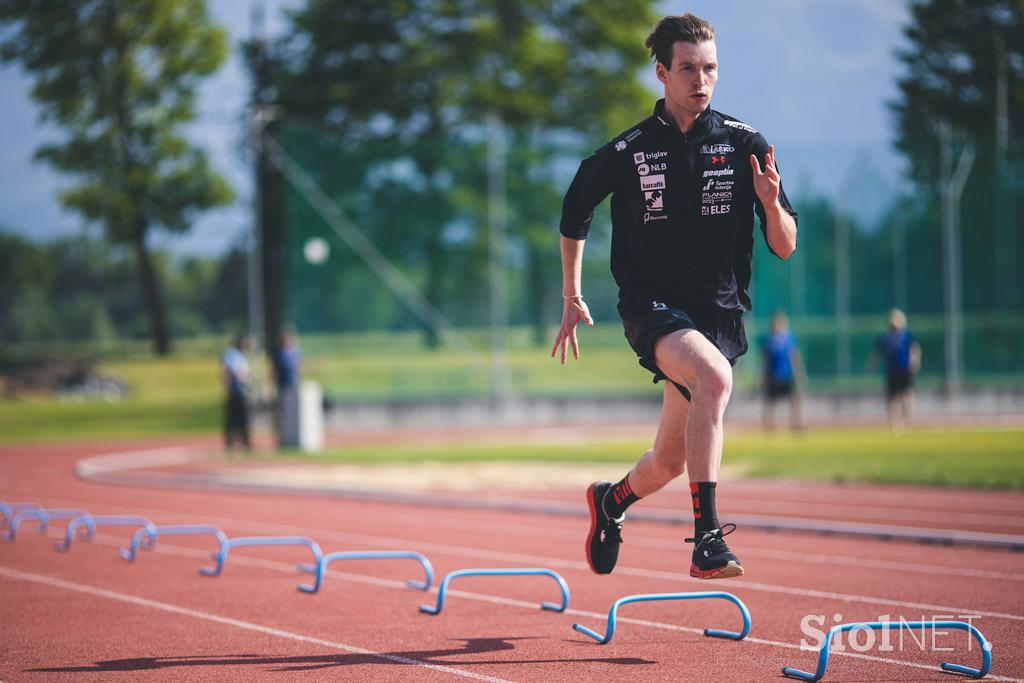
(651, 597)
(221, 555)
(7, 510)
(986, 647)
(42, 515)
(320, 568)
(86, 527)
(554, 607)
(146, 539)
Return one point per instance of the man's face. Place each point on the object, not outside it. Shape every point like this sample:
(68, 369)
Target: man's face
(691, 80)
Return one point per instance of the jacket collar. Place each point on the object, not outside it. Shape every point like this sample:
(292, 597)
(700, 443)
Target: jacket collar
(702, 125)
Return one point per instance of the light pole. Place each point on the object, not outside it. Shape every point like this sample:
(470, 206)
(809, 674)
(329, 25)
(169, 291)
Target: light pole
(842, 254)
(952, 187)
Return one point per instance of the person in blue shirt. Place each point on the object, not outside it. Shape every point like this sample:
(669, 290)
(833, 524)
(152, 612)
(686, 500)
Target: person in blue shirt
(287, 361)
(901, 354)
(781, 364)
(235, 373)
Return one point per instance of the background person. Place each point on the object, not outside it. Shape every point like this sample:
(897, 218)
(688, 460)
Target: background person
(236, 376)
(287, 362)
(782, 372)
(901, 354)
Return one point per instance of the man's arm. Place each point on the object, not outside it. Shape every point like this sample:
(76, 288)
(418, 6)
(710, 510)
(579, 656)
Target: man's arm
(780, 227)
(574, 309)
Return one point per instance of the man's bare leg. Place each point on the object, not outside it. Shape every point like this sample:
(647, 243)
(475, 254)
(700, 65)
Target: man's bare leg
(768, 415)
(667, 459)
(796, 422)
(688, 358)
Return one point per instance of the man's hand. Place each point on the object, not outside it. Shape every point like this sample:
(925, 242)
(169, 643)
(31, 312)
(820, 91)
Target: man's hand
(766, 183)
(574, 312)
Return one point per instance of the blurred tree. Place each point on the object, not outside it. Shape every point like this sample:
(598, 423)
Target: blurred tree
(119, 77)
(965, 65)
(424, 72)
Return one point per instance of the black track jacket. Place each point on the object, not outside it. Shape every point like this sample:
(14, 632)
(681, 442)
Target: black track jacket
(682, 209)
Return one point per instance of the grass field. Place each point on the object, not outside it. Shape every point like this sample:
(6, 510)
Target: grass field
(964, 458)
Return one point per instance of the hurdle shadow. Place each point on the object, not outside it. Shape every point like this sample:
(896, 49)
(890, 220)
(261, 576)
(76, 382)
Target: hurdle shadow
(471, 646)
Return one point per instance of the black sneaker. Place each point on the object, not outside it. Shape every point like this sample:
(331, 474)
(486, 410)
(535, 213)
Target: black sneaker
(605, 533)
(712, 558)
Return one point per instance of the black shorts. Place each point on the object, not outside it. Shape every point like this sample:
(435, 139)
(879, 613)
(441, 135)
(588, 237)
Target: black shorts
(897, 381)
(644, 321)
(776, 388)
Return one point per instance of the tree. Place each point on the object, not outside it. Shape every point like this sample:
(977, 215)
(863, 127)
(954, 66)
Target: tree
(427, 73)
(119, 78)
(965, 66)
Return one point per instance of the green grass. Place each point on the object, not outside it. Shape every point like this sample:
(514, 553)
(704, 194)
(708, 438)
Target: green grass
(975, 458)
(166, 396)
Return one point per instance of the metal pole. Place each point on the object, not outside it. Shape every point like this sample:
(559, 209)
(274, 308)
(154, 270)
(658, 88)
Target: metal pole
(497, 219)
(842, 256)
(254, 255)
(952, 187)
(899, 263)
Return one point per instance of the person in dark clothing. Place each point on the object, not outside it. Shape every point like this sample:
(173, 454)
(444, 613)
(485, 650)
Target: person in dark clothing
(901, 355)
(235, 373)
(686, 183)
(781, 365)
(287, 363)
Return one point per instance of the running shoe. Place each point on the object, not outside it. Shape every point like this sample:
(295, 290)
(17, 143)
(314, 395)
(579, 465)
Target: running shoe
(712, 558)
(605, 533)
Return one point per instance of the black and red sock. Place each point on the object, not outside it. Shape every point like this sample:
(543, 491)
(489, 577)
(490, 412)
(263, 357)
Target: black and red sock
(619, 497)
(705, 517)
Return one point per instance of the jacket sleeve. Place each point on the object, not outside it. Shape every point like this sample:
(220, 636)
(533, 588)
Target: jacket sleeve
(759, 148)
(593, 182)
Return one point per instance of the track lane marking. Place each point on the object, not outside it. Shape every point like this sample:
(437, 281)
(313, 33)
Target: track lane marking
(288, 568)
(655, 542)
(237, 623)
(477, 553)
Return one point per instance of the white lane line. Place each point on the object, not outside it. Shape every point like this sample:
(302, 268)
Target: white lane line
(237, 623)
(575, 565)
(287, 568)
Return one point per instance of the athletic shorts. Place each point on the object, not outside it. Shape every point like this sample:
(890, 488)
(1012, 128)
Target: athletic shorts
(776, 388)
(645, 321)
(897, 381)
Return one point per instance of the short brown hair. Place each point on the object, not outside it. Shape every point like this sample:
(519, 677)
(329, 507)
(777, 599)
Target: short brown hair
(688, 28)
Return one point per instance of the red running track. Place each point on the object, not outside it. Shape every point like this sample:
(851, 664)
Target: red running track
(89, 615)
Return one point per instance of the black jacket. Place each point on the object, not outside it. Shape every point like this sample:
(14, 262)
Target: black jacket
(683, 209)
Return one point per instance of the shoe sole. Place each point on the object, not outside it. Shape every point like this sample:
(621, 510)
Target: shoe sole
(593, 527)
(729, 571)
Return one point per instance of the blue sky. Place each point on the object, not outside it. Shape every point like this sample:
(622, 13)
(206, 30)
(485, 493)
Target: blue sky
(813, 75)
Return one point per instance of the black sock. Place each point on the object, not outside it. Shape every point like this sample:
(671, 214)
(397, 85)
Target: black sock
(705, 517)
(619, 497)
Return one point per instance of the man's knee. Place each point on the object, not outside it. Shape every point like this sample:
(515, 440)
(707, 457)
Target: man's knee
(714, 380)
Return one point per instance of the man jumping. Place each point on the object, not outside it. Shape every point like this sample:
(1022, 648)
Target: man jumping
(685, 185)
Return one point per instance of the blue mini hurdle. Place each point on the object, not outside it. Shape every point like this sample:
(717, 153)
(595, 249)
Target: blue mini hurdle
(43, 516)
(651, 597)
(554, 607)
(146, 538)
(986, 647)
(8, 510)
(320, 568)
(86, 527)
(221, 555)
